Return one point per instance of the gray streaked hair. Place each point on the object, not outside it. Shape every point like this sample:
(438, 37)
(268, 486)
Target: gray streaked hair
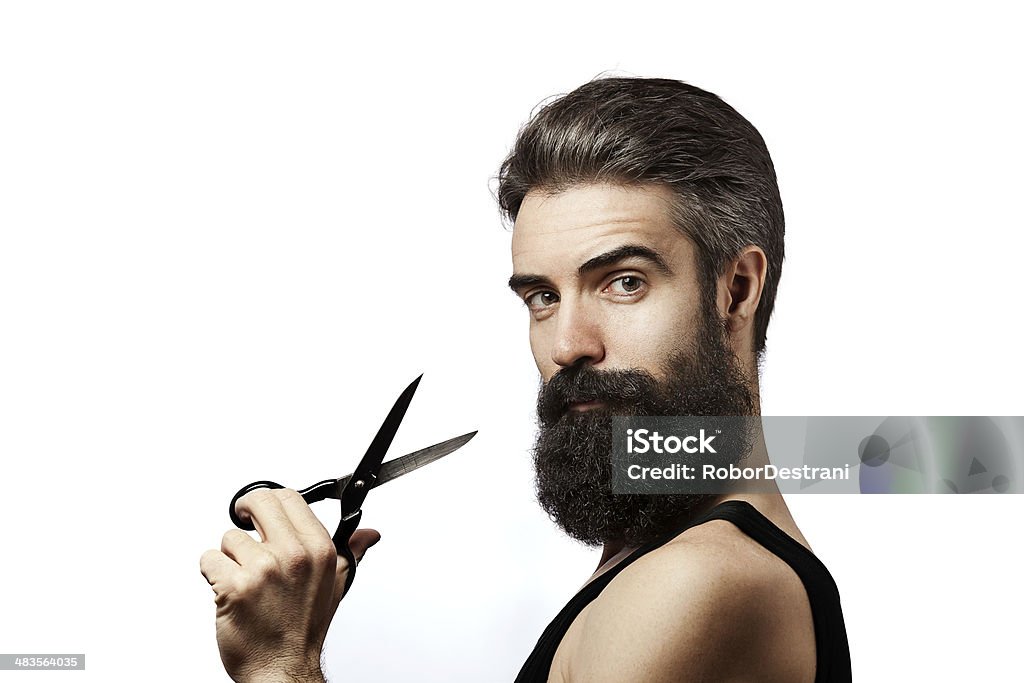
(655, 130)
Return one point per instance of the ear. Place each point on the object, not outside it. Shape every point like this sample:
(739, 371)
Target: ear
(740, 287)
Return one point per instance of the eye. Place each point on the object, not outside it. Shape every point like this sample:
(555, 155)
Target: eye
(627, 286)
(540, 300)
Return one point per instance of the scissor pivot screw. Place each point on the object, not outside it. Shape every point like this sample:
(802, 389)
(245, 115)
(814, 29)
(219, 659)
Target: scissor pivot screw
(359, 483)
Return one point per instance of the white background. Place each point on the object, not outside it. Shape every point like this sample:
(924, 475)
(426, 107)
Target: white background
(233, 232)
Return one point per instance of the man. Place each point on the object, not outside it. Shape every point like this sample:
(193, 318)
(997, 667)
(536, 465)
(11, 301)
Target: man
(647, 247)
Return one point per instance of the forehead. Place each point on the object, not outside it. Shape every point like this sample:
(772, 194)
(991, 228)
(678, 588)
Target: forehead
(556, 232)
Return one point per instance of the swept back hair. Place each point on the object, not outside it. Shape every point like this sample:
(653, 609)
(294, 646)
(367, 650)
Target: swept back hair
(633, 131)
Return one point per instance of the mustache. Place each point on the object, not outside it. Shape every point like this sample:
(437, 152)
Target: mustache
(581, 383)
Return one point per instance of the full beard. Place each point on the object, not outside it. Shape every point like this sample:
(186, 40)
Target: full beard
(572, 454)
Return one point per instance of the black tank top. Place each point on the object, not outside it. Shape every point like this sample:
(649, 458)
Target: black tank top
(833, 650)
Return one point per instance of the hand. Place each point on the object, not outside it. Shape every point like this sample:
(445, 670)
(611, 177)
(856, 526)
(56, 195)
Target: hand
(275, 599)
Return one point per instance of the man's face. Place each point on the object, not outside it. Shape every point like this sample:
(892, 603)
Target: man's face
(617, 328)
(608, 279)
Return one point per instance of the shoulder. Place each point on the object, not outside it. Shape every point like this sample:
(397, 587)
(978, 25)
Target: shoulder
(710, 605)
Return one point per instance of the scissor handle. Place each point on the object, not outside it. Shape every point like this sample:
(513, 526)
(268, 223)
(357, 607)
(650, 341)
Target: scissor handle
(346, 527)
(322, 490)
(235, 519)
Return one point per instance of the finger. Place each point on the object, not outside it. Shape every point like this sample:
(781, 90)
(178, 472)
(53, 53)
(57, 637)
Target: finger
(217, 568)
(362, 540)
(301, 516)
(264, 507)
(240, 547)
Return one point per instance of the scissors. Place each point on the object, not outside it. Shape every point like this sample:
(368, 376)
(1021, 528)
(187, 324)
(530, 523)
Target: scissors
(351, 489)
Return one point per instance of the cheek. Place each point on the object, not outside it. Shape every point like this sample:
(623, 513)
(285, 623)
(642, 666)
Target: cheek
(644, 337)
(540, 346)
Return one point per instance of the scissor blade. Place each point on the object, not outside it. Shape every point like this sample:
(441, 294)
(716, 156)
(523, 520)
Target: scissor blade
(393, 469)
(369, 467)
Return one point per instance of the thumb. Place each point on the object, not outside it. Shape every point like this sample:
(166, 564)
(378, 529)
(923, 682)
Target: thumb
(362, 540)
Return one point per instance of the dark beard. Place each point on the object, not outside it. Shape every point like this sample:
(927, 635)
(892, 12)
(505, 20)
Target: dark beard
(572, 454)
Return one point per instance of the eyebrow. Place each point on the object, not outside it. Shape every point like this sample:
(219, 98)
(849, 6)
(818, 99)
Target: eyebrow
(517, 282)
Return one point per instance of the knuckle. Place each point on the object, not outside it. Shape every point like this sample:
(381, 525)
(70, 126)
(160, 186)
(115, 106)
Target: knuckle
(296, 560)
(224, 598)
(242, 586)
(265, 567)
(324, 554)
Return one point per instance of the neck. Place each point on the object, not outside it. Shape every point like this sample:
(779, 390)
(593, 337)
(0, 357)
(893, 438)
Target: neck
(614, 551)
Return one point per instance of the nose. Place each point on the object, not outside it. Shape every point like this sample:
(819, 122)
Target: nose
(578, 338)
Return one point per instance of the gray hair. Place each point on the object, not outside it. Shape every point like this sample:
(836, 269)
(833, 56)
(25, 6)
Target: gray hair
(654, 130)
